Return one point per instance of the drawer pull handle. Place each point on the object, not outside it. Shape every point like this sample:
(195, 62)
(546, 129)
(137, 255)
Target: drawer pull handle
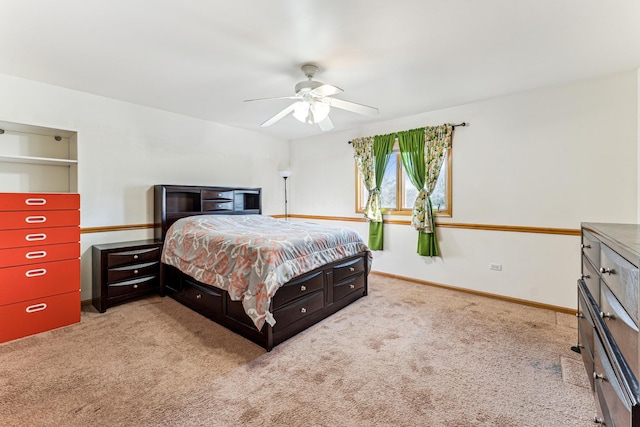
(135, 257)
(598, 420)
(580, 315)
(198, 296)
(303, 288)
(35, 219)
(36, 273)
(604, 270)
(303, 310)
(35, 237)
(597, 376)
(35, 202)
(351, 269)
(583, 246)
(36, 307)
(36, 254)
(135, 286)
(585, 276)
(135, 271)
(607, 315)
(352, 286)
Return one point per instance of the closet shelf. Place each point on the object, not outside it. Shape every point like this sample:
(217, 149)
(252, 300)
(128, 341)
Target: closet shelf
(38, 160)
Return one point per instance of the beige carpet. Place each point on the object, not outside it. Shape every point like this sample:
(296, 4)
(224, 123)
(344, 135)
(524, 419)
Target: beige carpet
(406, 355)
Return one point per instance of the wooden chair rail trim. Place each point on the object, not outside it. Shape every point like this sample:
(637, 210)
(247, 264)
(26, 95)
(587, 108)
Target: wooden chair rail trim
(486, 227)
(479, 293)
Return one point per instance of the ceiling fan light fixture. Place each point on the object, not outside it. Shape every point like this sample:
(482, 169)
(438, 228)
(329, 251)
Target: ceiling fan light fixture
(311, 112)
(320, 111)
(301, 111)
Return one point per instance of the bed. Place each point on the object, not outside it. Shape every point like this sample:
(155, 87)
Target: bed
(266, 279)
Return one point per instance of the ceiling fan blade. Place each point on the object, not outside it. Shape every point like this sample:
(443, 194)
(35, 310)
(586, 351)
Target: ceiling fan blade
(326, 90)
(326, 124)
(280, 115)
(351, 106)
(269, 99)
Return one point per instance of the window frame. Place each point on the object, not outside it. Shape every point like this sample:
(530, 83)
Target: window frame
(401, 185)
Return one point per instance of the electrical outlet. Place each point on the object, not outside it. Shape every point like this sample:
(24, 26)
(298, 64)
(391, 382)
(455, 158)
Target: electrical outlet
(495, 267)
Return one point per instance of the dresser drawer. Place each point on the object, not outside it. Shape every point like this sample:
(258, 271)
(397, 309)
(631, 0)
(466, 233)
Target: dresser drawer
(623, 329)
(32, 281)
(39, 315)
(591, 248)
(118, 274)
(622, 278)
(585, 324)
(614, 402)
(38, 219)
(297, 288)
(349, 268)
(348, 286)
(130, 288)
(38, 201)
(591, 278)
(38, 254)
(41, 236)
(133, 256)
(299, 309)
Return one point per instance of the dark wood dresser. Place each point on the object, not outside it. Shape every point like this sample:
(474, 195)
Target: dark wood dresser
(608, 306)
(125, 270)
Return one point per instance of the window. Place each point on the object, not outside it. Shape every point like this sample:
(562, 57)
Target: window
(398, 194)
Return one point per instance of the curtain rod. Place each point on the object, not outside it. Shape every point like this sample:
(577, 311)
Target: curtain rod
(463, 124)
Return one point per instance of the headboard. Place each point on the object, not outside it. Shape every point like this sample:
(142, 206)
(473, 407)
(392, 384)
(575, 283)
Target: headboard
(172, 202)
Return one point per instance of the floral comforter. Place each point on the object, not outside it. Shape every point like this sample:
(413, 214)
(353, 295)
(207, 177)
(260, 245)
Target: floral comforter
(251, 256)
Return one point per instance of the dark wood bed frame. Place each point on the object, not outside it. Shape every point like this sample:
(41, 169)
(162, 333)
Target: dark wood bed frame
(297, 305)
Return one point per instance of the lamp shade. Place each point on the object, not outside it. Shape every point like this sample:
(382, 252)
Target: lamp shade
(285, 174)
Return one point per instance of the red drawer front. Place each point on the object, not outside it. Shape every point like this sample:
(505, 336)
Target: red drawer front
(26, 282)
(38, 219)
(39, 315)
(38, 254)
(39, 237)
(38, 201)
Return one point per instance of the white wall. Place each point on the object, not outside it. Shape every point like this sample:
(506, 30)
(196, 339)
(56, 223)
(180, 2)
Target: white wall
(124, 149)
(553, 157)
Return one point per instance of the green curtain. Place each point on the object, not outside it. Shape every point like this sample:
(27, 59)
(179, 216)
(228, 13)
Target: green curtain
(372, 156)
(423, 151)
(382, 148)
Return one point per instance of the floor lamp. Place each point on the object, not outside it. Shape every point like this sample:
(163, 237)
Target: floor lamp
(285, 175)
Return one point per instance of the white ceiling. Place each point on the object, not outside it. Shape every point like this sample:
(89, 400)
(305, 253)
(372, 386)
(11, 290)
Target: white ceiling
(203, 58)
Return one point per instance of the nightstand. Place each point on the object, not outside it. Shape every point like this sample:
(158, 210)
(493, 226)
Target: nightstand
(124, 271)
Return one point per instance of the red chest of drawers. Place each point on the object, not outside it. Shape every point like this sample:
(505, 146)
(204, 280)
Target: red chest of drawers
(39, 262)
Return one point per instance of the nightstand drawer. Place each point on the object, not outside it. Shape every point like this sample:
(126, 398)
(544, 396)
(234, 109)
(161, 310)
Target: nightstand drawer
(349, 268)
(38, 201)
(38, 219)
(118, 274)
(133, 256)
(38, 254)
(591, 248)
(40, 236)
(25, 282)
(297, 288)
(132, 287)
(591, 279)
(623, 329)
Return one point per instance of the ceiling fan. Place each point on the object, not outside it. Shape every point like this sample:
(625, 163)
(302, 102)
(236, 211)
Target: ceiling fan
(315, 101)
